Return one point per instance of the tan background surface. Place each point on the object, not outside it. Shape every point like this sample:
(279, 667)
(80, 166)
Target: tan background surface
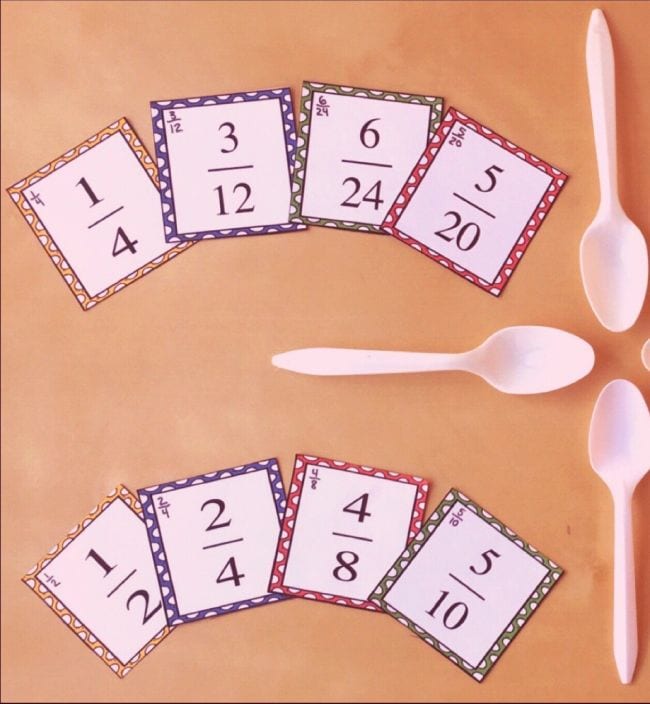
(171, 377)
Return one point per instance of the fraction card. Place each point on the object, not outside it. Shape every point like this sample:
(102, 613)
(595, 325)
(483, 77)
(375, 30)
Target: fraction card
(474, 202)
(344, 526)
(101, 582)
(225, 164)
(466, 585)
(213, 539)
(96, 212)
(356, 148)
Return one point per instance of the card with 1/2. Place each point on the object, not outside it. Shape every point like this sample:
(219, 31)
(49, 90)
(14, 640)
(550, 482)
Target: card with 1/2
(356, 148)
(343, 527)
(96, 212)
(225, 164)
(474, 201)
(213, 538)
(466, 585)
(101, 582)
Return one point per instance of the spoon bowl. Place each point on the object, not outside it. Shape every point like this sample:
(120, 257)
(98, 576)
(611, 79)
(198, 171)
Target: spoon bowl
(526, 359)
(619, 451)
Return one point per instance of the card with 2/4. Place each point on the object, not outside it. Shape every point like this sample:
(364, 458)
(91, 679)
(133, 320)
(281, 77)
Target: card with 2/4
(355, 149)
(466, 584)
(344, 525)
(474, 202)
(213, 539)
(101, 582)
(96, 212)
(225, 164)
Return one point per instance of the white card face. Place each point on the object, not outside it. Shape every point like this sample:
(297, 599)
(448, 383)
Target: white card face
(359, 153)
(479, 190)
(465, 584)
(219, 540)
(106, 578)
(349, 528)
(103, 212)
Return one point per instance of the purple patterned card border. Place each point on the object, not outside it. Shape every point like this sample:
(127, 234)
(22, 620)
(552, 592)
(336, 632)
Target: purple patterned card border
(283, 95)
(174, 617)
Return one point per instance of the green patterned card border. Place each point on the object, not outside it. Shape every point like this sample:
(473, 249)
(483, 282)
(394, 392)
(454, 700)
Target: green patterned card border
(378, 596)
(298, 183)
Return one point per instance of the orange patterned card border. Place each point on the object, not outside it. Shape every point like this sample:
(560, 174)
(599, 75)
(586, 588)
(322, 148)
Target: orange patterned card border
(85, 300)
(70, 620)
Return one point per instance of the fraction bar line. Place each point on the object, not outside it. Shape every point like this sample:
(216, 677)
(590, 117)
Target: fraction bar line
(225, 542)
(128, 576)
(367, 163)
(467, 587)
(478, 207)
(117, 210)
(355, 537)
(231, 168)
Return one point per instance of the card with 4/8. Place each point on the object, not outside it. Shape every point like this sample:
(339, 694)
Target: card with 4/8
(474, 202)
(225, 164)
(96, 212)
(355, 149)
(466, 584)
(101, 582)
(343, 527)
(213, 538)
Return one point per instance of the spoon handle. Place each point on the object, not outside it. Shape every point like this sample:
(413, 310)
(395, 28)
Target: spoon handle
(602, 93)
(625, 628)
(333, 361)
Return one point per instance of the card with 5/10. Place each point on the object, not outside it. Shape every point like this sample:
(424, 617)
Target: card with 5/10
(466, 584)
(213, 538)
(344, 525)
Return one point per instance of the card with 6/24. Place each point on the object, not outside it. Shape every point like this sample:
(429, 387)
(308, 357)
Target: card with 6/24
(355, 149)
(474, 202)
(225, 164)
(101, 582)
(466, 584)
(344, 525)
(213, 539)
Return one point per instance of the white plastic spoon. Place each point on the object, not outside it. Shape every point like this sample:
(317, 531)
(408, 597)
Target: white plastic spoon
(528, 359)
(619, 451)
(613, 252)
(645, 355)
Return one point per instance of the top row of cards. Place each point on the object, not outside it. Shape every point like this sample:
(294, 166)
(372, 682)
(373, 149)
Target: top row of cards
(232, 165)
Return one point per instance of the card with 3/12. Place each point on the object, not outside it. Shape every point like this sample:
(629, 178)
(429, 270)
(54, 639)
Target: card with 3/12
(96, 212)
(466, 585)
(213, 538)
(355, 149)
(474, 202)
(344, 525)
(101, 582)
(225, 164)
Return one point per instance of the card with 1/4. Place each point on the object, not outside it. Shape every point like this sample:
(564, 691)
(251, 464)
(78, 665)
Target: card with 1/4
(96, 212)
(343, 527)
(225, 164)
(356, 148)
(466, 584)
(213, 538)
(474, 201)
(101, 582)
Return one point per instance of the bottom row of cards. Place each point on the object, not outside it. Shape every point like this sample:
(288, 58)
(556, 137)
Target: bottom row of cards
(346, 534)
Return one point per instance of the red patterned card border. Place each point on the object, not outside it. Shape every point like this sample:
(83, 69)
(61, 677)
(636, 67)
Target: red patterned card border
(558, 180)
(289, 522)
